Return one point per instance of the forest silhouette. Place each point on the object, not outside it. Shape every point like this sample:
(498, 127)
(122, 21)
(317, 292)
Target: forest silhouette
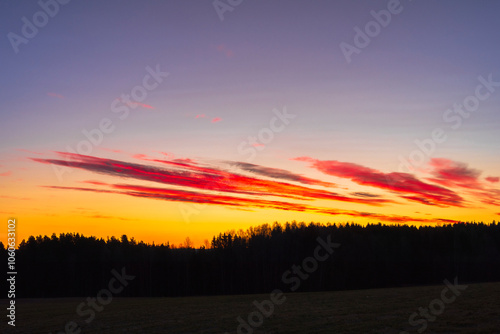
(255, 260)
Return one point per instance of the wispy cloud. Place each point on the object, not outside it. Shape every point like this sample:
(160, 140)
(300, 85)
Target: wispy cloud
(457, 174)
(245, 203)
(492, 179)
(365, 194)
(278, 173)
(134, 104)
(166, 154)
(141, 156)
(185, 173)
(250, 186)
(454, 174)
(216, 119)
(404, 185)
(96, 183)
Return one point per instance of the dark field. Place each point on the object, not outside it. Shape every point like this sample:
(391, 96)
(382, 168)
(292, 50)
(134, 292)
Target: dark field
(475, 310)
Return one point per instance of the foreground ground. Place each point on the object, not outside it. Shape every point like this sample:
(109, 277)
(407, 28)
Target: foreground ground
(475, 310)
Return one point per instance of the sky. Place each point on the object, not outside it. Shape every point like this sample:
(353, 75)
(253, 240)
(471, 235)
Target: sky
(171, 119)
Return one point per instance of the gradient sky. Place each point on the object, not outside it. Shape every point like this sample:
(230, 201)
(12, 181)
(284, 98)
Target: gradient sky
(337, 158)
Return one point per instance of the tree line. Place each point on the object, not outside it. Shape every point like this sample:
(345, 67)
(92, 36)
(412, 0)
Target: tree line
(256, 260)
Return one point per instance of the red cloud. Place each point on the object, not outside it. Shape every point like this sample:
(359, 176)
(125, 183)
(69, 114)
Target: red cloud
(6, 173)
(147, 106)
(185, 161)
(97, 183)
(216, 119)
(166, 154)
(457, 174)
(144, 157)
(405, 185)
(140, 156)
(200, 116)
(493, 179)
(271, 188)
(244, 203)
(187, 174)
(451, 173)
(133, 104)
(278, 174)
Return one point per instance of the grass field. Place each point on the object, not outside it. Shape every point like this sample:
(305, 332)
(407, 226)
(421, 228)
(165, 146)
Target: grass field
(475, 310)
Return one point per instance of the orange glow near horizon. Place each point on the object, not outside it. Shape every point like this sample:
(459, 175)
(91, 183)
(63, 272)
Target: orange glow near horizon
(160, 201)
